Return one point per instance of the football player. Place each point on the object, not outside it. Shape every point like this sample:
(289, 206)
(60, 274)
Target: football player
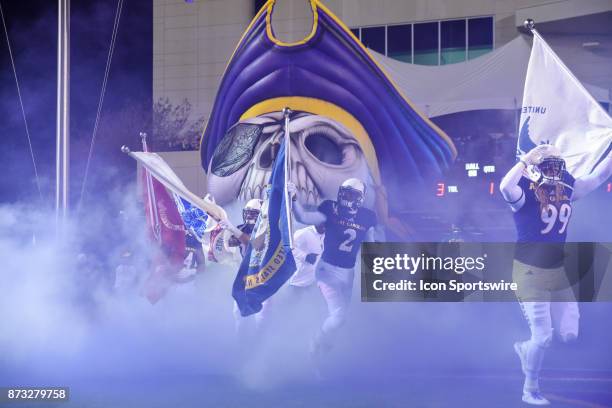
(241, 235)
(347, 223)
(542, 207)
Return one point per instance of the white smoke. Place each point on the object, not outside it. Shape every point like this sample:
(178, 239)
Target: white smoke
(60, 316)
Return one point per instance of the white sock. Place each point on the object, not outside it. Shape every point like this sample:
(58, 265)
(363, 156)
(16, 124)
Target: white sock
(531, 384)
(534, 354)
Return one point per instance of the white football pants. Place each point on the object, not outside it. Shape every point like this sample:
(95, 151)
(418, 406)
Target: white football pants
(336, 285)
(546, 319)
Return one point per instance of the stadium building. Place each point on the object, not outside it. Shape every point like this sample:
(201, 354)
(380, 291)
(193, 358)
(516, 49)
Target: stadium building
(429, 48)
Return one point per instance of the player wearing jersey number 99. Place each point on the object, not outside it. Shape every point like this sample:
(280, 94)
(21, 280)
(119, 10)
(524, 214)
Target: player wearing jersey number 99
(542, 210)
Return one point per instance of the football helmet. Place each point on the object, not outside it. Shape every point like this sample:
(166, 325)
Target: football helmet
(251, 211)
(552, 166)
(351, 195)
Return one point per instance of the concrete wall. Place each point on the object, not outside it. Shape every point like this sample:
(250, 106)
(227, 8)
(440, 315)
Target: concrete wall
(193, 41)
(192, 44)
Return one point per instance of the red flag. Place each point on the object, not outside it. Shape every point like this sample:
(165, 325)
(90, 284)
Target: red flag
(164, 221)
(167, 232)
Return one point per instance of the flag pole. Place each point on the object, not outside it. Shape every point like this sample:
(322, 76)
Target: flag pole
(62, 159)
(288, 200)
(153, 213)
(529, 25)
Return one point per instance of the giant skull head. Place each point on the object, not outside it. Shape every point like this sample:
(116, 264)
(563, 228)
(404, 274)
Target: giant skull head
(323, 154)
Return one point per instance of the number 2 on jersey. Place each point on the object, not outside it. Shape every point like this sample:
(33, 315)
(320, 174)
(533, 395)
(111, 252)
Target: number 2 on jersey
(550, 215)
(347, 244)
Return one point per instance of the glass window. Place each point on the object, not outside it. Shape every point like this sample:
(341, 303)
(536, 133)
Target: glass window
(355, 31)
(452, 41)
(426, 43)
(374, 38)
(399, 42)
(480, 36)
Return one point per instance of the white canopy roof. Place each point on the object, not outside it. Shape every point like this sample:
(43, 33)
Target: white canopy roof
(492, 81)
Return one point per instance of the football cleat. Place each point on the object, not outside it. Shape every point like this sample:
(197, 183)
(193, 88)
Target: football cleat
(534, 398)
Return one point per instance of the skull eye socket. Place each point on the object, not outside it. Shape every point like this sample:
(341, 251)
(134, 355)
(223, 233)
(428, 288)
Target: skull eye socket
(320, 141)
(267, 156)
(235, 149)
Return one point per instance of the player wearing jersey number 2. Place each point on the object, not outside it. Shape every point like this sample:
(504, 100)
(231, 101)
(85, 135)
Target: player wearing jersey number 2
(347, 224)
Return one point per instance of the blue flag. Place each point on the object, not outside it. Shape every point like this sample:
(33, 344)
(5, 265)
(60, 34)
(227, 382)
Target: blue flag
(195, 220)
(268, 262)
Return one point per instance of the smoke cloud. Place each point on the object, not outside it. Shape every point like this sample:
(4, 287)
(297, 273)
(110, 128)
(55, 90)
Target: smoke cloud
(62, 319)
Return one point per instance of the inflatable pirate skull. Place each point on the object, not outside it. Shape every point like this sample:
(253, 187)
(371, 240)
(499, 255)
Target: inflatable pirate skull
(323, 154)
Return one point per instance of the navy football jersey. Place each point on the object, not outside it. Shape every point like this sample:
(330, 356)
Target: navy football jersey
(235, 242)
(535, 224)
(343, 235)
(191, 242)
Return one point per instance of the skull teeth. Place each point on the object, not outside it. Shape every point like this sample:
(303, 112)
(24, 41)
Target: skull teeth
(308, 197)
(256, 179)
(248, 193)
(254, 183)
(307, 192)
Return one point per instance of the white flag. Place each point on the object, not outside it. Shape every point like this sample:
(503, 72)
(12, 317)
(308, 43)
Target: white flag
(165, 175)
(558, 110)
